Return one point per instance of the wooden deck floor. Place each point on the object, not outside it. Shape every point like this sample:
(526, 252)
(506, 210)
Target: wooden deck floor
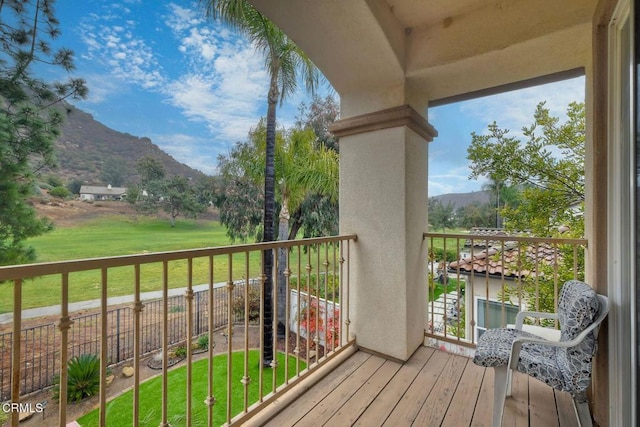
(432, 388)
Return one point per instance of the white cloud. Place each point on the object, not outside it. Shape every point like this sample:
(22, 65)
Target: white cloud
(190, 150)
(100, 87)
(210, 74)
(513, 110)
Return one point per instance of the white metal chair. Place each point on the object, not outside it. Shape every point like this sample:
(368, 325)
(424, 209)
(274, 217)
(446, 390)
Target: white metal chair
(564, 365)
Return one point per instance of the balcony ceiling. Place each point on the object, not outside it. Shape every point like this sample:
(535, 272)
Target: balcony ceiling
(436, 48)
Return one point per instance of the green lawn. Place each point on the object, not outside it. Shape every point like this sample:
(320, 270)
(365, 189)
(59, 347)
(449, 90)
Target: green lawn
(122, 235)
(120, 410)
(439, 289)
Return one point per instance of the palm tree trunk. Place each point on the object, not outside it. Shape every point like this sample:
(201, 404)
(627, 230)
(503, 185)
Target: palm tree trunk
(269, 213)
(283, 232)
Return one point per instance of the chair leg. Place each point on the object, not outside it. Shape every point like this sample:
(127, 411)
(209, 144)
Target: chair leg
(509, 378)
(581, 405)
(499, 393)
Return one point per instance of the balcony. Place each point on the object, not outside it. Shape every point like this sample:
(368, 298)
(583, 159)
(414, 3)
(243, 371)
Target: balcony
(330, 378)
(433, 388)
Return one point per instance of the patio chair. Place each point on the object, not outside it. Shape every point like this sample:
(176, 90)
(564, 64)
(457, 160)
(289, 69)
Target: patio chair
(564, 365)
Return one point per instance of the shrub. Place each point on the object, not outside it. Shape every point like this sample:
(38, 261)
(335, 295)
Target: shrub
(54, 181)
(181, 351)
(254, 305)
(60, 192)
(203, 342)
(83, 378)
(328, 282)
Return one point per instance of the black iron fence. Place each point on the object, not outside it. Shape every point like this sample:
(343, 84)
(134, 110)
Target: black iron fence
(41, 343)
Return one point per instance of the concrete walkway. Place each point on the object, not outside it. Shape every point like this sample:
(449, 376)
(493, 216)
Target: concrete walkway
(85, 305)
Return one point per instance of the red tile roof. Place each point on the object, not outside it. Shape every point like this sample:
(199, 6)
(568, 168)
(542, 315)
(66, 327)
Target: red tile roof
(507, 262)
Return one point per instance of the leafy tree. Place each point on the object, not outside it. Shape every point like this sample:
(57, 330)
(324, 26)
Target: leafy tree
(240, 201)
(549, 167)
(307, 177)
(74, 186)
(150, 170)
(285, 62)
(548, 164)
(441, 215)
(179, 198)
(30, 117)
(476, 214)
(318, 116)
(175, 196)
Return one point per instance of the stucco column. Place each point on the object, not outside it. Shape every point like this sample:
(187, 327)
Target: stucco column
(383, 199)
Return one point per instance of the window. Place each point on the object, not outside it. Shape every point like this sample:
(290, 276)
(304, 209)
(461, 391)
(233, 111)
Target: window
(490, 315)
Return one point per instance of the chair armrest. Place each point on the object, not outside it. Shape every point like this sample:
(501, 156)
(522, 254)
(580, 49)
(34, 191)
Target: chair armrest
(522, 314)
(517, 343)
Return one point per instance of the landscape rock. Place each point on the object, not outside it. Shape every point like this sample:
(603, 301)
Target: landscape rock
(127, 371)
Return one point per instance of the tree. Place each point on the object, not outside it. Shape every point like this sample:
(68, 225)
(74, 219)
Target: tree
(30, 117)
(476, 214)
(74, 186)
(307, 177)
(285, 61)
(503, 195)
(441, 215)
(175, 196)
(318, 116)
(548, 166)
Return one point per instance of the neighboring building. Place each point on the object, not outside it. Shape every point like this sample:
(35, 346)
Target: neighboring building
(90, 192)
(494, 266)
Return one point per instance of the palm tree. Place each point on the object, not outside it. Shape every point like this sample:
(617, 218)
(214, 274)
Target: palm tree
(284, 61)
(303, 169)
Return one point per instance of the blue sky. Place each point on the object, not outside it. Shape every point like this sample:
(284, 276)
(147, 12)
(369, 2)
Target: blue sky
(160, 69)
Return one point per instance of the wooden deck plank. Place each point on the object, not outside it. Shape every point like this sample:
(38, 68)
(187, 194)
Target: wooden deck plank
(383, 404)
(408, 407)
(463, 404)
(516, 408)
(432, 388)
(351, 410)
(435, 407)
(483, 412)
(541, 398)
(342, 393)
(566, 411)
(292, 413)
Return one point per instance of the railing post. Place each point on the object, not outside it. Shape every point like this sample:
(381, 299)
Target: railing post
(15, 348)
(64, 325)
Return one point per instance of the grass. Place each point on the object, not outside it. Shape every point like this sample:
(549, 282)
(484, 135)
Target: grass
(122, 235)
(119, 411)
(439, 289)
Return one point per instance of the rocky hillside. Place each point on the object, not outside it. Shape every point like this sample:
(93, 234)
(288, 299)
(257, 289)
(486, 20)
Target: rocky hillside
(86, 146)
(462, 199)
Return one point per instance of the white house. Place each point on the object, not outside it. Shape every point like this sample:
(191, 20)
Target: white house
(90, 192)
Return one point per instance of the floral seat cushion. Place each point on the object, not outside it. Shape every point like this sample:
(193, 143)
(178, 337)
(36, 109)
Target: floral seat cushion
(567, 369)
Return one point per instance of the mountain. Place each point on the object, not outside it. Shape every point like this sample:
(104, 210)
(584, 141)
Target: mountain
(86, 146)
(462, 199)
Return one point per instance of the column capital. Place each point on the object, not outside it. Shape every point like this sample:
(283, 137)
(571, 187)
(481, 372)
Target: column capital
(403, 115)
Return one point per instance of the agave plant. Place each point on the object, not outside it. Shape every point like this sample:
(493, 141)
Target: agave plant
(83, 378)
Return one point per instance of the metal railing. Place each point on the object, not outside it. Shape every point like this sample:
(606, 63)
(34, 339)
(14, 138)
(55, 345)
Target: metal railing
(316, 275)
(41, 344)
(477, 282)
